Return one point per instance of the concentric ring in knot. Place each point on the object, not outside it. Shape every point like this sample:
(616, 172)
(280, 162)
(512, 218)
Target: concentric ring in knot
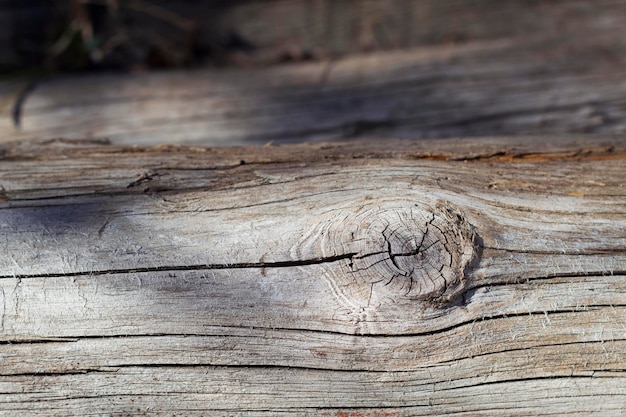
(402, 251)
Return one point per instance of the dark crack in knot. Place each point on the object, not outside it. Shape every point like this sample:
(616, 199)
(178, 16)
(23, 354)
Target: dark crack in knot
(405, 252)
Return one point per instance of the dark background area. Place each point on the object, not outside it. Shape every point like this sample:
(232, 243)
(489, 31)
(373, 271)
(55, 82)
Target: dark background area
(139, 34)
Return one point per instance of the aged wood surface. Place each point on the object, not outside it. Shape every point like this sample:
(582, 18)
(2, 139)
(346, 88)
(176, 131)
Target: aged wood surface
(523, 68)
(475, 277)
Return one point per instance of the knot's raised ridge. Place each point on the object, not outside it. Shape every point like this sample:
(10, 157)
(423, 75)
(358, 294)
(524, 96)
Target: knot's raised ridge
(403, 252)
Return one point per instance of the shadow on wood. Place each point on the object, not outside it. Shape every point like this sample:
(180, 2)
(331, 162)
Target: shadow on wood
(439, 277)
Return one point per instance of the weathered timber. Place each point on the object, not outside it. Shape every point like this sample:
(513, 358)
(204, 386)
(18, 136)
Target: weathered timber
(558, 69)
(453, 277)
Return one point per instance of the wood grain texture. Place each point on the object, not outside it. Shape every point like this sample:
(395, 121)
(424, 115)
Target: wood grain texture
(472, 277)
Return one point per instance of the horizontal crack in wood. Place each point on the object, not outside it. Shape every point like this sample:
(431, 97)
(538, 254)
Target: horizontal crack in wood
(250, 265)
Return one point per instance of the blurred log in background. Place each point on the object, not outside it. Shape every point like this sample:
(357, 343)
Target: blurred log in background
(310, 70)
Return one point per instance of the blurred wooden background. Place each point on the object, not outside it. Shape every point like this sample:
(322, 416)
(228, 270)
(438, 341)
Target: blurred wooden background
(253, 72)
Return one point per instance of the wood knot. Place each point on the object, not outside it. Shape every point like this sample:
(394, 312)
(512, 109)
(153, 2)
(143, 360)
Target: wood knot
(400, 252)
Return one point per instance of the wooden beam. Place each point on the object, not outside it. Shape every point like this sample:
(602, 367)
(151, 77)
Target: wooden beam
(482, 276)
(504, 87)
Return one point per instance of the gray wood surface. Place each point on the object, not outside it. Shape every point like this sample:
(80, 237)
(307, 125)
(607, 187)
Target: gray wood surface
(452, 277)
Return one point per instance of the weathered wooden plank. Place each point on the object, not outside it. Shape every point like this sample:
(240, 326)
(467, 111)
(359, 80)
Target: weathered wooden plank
(422, 103)
(236, 389)
(439, 277)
